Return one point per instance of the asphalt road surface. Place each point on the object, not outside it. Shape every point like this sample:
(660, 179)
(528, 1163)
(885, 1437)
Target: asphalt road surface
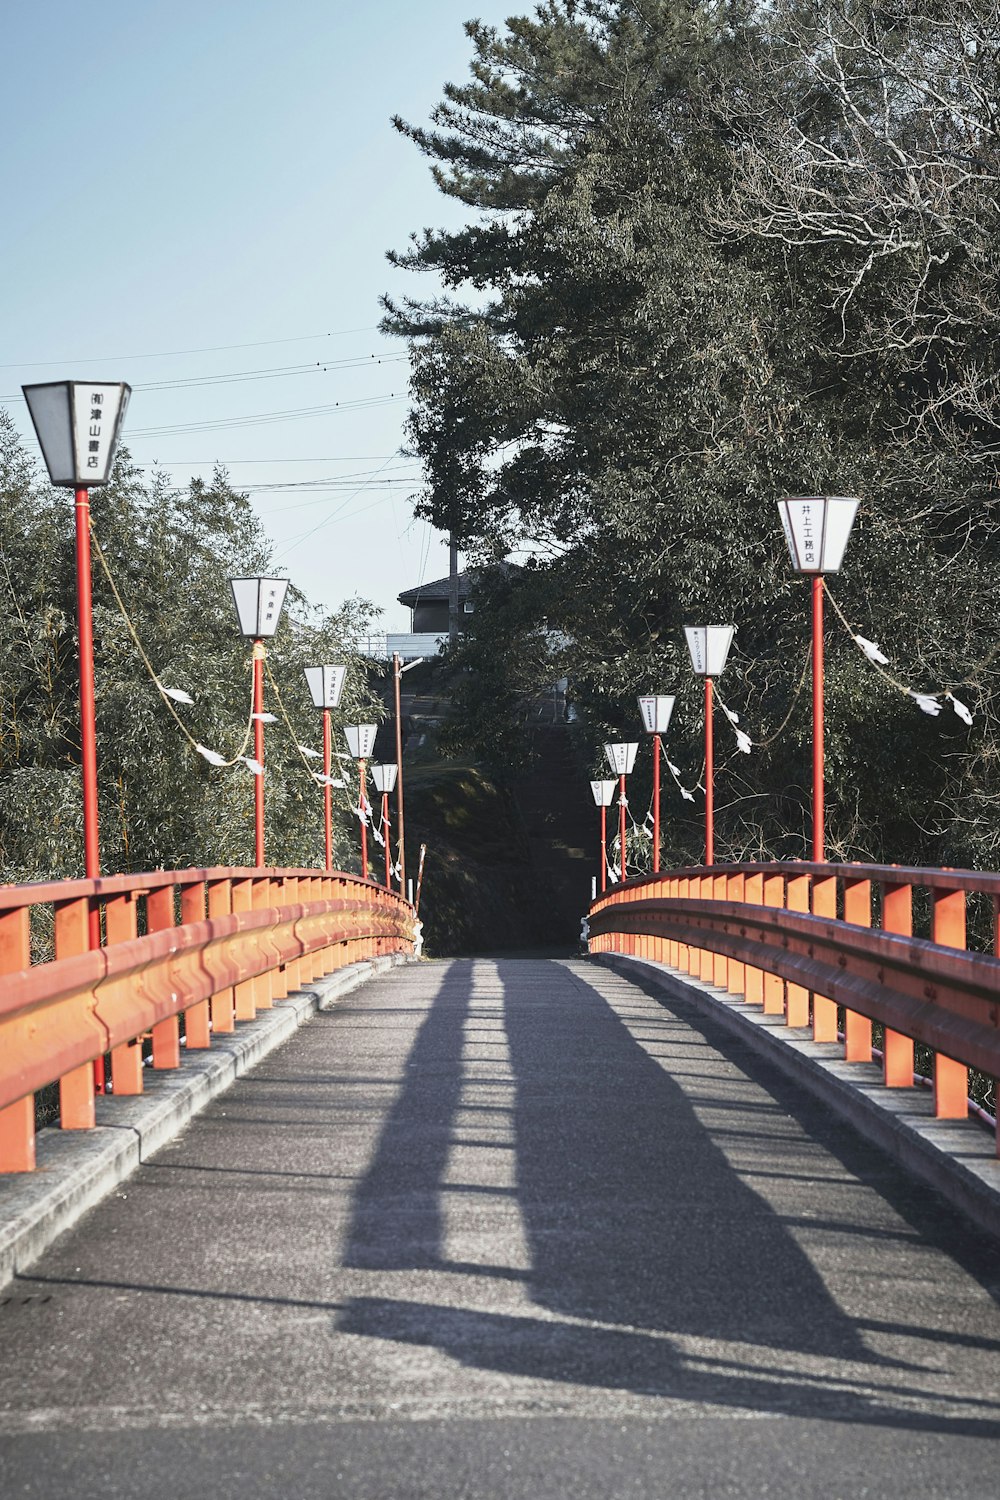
(508, 1228)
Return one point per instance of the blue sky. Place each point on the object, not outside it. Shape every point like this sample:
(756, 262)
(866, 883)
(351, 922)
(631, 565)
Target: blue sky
(208, 190)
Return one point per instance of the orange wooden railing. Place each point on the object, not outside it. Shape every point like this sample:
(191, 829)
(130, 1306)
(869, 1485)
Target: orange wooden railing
(217, 946)
(801, 940)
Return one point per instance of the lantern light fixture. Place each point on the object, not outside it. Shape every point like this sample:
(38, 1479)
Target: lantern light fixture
(708, 646)
(656, 710)
(603, 792)
(326, 684)
(384, 777)
(258, 605)
(78, 423)
(360, 739)
(621, 757)
(817, 528)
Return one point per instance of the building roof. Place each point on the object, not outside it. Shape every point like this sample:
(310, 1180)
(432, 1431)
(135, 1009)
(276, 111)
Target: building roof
(424, 593)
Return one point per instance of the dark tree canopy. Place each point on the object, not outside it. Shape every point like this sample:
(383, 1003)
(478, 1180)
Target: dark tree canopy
(715, 254)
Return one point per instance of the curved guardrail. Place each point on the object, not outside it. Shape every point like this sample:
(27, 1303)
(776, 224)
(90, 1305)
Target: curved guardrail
(210, 946)
(804, 940)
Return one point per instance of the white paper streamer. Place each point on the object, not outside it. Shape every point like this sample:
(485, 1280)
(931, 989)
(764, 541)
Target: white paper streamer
(872, 650)
(743, 742)
(313, 754)
(253, 765)
(925, 701)
(178, 694)
(963, 713)
(266, 718)
(212, 756)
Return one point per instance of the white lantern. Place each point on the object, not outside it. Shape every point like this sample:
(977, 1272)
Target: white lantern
(325, 684)
(77, 423)
(258, 605)
(816, 529)
(621, 757)
(360, 739)
(604, 792)
(384, 776)
(656, 713)
(709, 647)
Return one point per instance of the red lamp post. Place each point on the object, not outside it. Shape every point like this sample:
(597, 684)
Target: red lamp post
(326, 684)
(603, 792)
(709, 647)
(384, 777)
(656, 711)
(817, 528)
(361, 742)
(258, 608)
(78, 424)
(621, 759)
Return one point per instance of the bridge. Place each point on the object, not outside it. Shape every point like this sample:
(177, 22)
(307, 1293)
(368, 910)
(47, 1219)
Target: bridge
(667, 1217)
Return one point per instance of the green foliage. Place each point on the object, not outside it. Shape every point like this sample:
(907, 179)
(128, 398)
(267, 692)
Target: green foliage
(171, 554)
(722, 253)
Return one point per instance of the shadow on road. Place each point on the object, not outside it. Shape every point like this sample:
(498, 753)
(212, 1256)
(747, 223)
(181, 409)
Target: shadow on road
(633, 1218)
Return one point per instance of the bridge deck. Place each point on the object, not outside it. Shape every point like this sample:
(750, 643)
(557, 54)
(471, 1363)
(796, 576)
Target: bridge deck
(629, 1257)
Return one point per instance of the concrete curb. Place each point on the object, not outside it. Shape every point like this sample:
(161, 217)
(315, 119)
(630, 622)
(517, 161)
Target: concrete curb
(955, 1157)
(76, 1169)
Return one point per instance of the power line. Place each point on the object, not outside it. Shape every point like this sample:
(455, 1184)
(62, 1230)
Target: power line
(306, 338)
(261, 419)
(275, 372)
(340, 458)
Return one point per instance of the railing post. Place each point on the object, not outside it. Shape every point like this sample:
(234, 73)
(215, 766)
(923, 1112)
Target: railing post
(166, 1033)
(673, 891)
(694, 953)
(951, 1078)
(76, 1088)
(244, 994)
(796, 997)
(857, 1028)
(260, 900)
(720, 968)
(17, 1120)
(897, 1049)
(126, 1059)
(753, 978)
(223, 1003)
(197, 1028)
(735, 978)
(774, 989)
(706, 958)
(824, 904)
(289, 896)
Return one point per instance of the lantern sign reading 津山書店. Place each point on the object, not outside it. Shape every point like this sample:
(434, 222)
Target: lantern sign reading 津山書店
(78, 423)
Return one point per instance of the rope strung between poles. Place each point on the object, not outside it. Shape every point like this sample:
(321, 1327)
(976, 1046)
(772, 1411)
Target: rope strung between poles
(304, 751)
(171, 695)
(928, 702)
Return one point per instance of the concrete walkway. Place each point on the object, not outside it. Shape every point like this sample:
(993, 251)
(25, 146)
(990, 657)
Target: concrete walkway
(498, 1229)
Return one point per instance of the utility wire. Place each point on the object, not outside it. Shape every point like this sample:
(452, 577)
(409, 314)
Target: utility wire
(40, 364)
